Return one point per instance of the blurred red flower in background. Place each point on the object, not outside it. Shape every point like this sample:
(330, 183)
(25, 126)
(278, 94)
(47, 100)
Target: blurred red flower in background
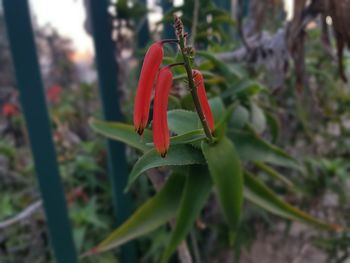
(54, 94)
(9, 109)
(77, 193)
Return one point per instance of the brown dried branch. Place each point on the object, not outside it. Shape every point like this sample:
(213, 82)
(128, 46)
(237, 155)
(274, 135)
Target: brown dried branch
(22, 216)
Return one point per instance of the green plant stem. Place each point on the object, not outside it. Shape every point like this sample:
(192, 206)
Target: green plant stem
(195, 248)
(193, 88)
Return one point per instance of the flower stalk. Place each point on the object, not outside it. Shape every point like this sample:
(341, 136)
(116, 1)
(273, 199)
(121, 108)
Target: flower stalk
(187, 64)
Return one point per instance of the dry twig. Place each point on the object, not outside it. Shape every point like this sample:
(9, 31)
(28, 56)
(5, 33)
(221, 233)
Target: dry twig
(22, 215)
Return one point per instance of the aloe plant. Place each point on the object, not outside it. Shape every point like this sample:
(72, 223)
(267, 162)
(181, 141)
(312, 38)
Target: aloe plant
(204, 159)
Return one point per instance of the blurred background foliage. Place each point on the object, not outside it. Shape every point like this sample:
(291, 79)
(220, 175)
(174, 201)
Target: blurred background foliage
(312, 125)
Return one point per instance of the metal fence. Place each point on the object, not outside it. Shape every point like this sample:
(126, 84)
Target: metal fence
(30, 85)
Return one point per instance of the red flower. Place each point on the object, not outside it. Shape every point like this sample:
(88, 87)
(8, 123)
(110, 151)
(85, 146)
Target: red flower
(77, 193)
(9, 109)
(54, 94)
(150, 67)
(160, 122)
(199, 82)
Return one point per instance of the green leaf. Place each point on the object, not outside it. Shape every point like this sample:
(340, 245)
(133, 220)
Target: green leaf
(244, 88)
(225, 19)
(182, 121)
(258, 193)
(273, 173)
(151, 215)
(173, 102)
(79, 236)
(229, 72)
(258, 118)
(221, 127)
(7, 149)
(274, 125)
(240, 117)
(177, 155)
(214, 10)
(190, 137)
(121, 132)
(225, 170)
(250, 147)
(218, 109)
(194, 196)
(248, 88)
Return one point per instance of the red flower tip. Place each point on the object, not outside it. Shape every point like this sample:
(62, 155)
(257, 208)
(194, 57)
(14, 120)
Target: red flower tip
(199, 82)
(140, 129)
(54, 94)
(160, 123)
(150, 67)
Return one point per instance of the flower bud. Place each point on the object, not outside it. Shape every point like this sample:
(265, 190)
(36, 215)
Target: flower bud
(150, 67)
(160, 122)
(199, 82)
(179, 27)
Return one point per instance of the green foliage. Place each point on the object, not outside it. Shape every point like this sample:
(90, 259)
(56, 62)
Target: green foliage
(299, 140)
(177, 155)
(122, 132)
(256, 192)
(220, 19)
(253, 148)
(226, 172)
(182, 121)
(223, 161)
(195, 194)
(152, 214)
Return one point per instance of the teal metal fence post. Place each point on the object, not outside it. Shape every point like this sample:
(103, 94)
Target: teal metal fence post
(168, 31)
(143, 35)
(107, 76)
(245, 7)
(227, 6)
(224, 4)
(20, 33)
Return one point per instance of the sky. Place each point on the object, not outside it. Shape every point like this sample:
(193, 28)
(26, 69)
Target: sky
(68, 16)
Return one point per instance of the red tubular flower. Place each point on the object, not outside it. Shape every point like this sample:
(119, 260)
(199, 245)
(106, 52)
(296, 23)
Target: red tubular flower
(160, 122)
(150, 67)
(199, 82)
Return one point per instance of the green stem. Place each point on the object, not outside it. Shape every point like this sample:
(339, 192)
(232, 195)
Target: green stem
(193, 88)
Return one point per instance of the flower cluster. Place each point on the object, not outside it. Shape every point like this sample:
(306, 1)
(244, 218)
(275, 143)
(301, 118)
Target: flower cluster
(152, 73)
